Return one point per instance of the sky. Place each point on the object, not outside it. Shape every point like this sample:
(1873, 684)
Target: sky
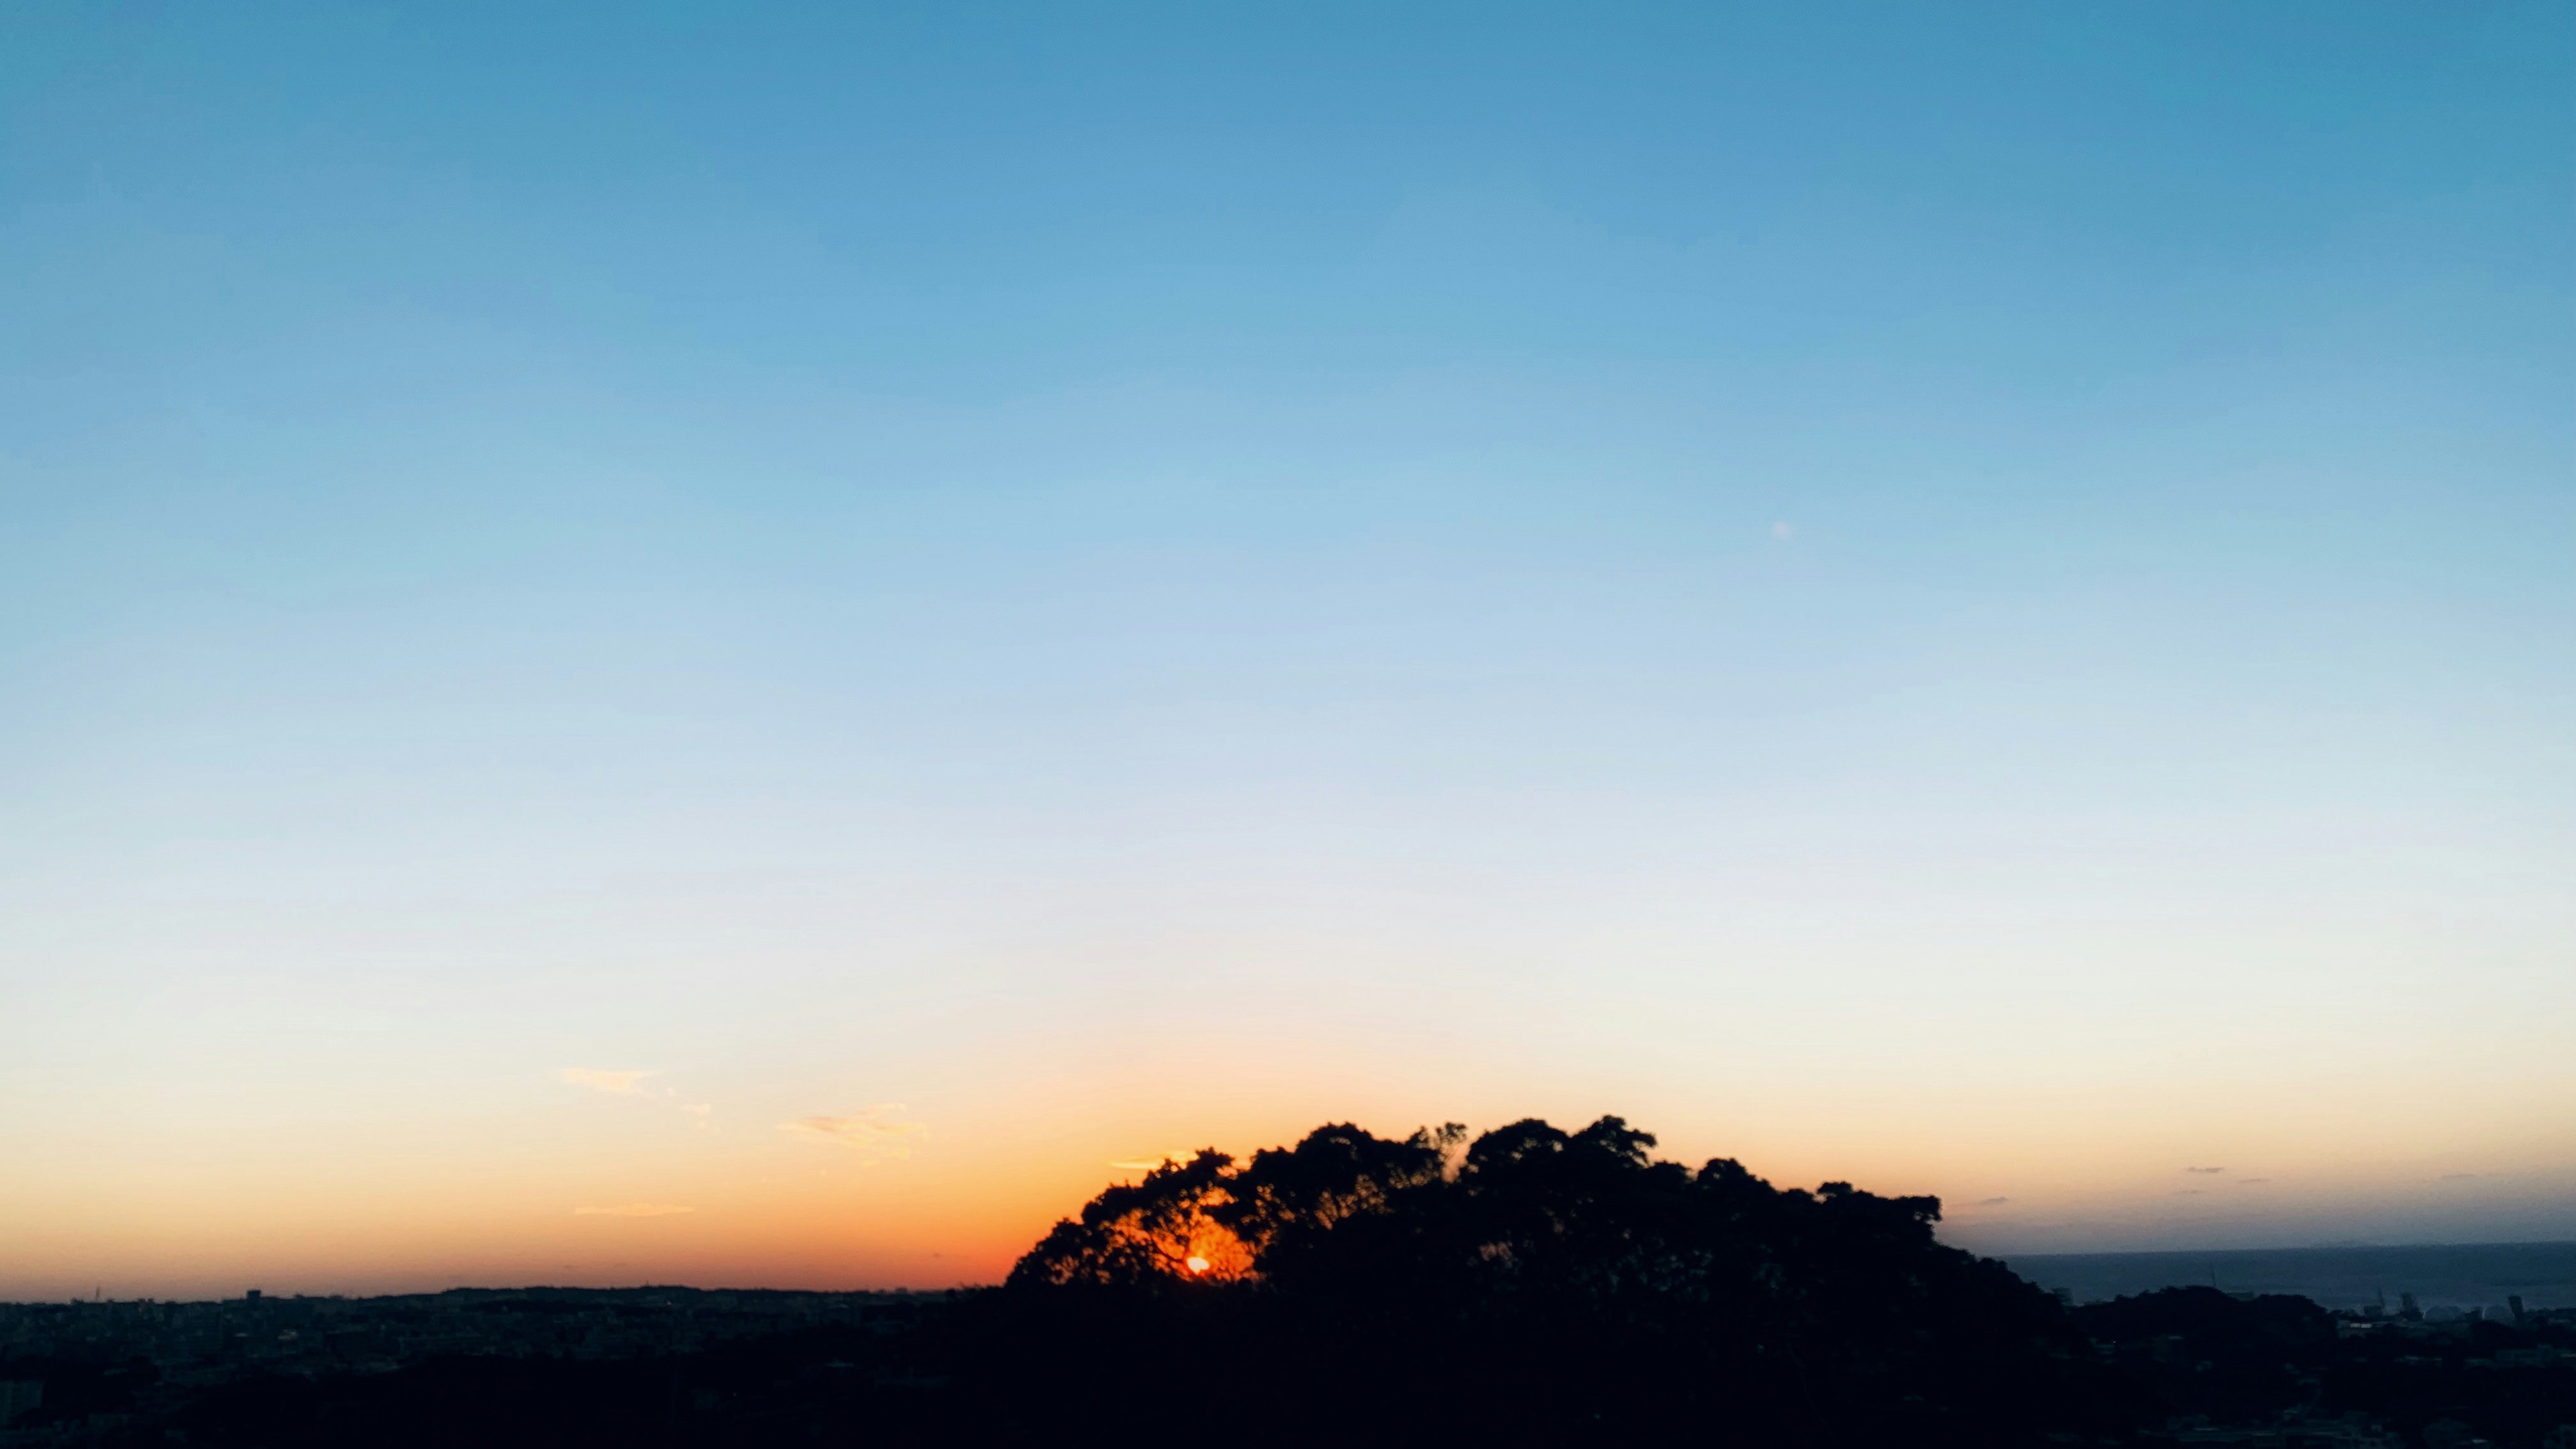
(760, 644)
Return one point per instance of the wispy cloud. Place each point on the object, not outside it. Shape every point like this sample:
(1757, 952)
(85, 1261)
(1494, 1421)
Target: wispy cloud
(878, 1134)
(1992, 1201)
(1148, 1164)
(633, 1210)
(2205, 1171)
(2459, 1177)
(631, 1084)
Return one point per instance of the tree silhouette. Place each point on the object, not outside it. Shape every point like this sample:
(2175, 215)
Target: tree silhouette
(1155, 1234)
(1539, 1281)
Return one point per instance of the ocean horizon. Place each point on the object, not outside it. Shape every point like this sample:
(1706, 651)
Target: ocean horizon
(2452, 1277)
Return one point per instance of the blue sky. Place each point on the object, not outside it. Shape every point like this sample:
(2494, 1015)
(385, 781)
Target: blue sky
(1907, 592)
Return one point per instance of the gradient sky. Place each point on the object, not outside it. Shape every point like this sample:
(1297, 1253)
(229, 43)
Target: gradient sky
(745, 644)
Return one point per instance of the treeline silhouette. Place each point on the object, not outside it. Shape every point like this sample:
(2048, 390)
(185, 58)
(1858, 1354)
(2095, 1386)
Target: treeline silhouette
(1531, 1286)
(1537, 1282)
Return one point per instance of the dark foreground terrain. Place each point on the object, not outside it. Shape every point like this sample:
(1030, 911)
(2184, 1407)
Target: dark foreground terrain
(1534, 1286)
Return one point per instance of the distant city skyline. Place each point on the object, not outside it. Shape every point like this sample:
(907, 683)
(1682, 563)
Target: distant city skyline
(756, 648)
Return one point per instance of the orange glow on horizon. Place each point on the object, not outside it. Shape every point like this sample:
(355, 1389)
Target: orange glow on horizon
(338, 1211)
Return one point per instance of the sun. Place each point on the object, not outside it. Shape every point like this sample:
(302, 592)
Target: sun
(1198, 1265)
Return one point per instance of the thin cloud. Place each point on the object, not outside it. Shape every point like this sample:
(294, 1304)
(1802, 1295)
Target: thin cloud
(2205, 1171)
(877, 1133)
(2459, 1177)
(2250, 1181)
(1992, 1201)
(1148, 1164)
(631, 1084)
(634, 1210)
(1783, 530)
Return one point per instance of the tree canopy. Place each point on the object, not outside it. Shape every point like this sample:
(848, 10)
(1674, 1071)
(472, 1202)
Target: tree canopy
(1531, 1279)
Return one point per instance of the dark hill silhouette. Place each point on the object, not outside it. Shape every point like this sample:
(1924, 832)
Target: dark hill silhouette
(2212, 1324)
(1534, 1286)
(1541, 1282)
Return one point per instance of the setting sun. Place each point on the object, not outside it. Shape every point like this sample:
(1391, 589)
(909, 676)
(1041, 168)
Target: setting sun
(729, 723)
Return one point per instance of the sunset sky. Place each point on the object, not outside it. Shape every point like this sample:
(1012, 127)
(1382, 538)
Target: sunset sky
(759, 644)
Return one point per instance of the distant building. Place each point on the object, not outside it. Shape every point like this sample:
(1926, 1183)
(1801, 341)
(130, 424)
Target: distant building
(19, 1396)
